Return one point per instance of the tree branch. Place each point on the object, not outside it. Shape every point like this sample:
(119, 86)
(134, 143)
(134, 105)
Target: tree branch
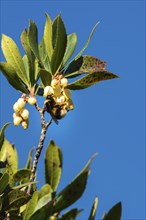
(44, 126)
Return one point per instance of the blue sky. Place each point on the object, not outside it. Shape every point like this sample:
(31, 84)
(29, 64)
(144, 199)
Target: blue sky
(109, 118)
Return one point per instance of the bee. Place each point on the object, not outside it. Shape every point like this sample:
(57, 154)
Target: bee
(56, 111)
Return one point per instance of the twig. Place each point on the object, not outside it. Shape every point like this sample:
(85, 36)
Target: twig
(44, 126)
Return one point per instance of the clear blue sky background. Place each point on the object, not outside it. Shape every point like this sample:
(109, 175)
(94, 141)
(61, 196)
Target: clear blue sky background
(109, 118)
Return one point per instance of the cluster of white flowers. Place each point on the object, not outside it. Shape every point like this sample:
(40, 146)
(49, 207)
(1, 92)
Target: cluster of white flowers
(60, 94)
(21, 114)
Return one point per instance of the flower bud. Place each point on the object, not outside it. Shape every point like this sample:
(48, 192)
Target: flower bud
(60, 99)
(17, 120)
(16, 107)
(31, 100)
(21, 102)
(25, 124)
(57, 91)
(54, 83)
(25, 114)
(48, 90)
(70, 104)
(67, 93)
(64, 82)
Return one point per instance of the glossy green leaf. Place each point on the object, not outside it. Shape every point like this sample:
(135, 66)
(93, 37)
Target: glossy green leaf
(24, 185)
(21, 175)
(15, 199)
(53, 165)
(42, 51)
(70, 48)
(46, 189)
(74, 190)
(44, 212)
(48, 36)
(25, 44)
(4, 181)
(46, 77)
(31, 206)
(36, 70)
(91, 79)
(44, 57)
(70, 215)
(33, 39)
(43, 201)
(59, 42)
(87, 43)
(13, 57)
(30, 56)
(85, 64)
(26, 64)
(114, 213)
(93, 210)
(8, 155)
(2, 135)
(85, 46)
(29, 159)
(12, 77)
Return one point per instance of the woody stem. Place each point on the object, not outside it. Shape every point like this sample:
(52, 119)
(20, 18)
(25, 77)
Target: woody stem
(44, 126)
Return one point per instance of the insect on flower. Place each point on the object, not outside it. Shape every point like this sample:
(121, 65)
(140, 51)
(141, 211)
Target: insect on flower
(57, 111)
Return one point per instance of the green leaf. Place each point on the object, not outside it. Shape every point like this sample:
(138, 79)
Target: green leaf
(33, 39)
(70, 48)
(87, 43)
(13, 57)
(70, 215)
(4, 181)
(36, 71)
(46, 77)
(8, 155)
(29, 160)
(14, 199)
(24, 185)
(91, 79)
(44, 57)
(30, 56)
(2, 135)
(43, 201)
(12, 77)
(74, 190)
(46, 189)
(93, 210)
(31, 206)
(53, 165)
(25, 44)
(26, 64)
(21, 175)
(44, 212)
(59, 42)
(114, 213)
(48, 36)
(42, 51)
(85, 64)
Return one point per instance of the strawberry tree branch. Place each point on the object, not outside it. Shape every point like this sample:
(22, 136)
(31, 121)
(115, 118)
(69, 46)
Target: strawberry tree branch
(44, 126)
